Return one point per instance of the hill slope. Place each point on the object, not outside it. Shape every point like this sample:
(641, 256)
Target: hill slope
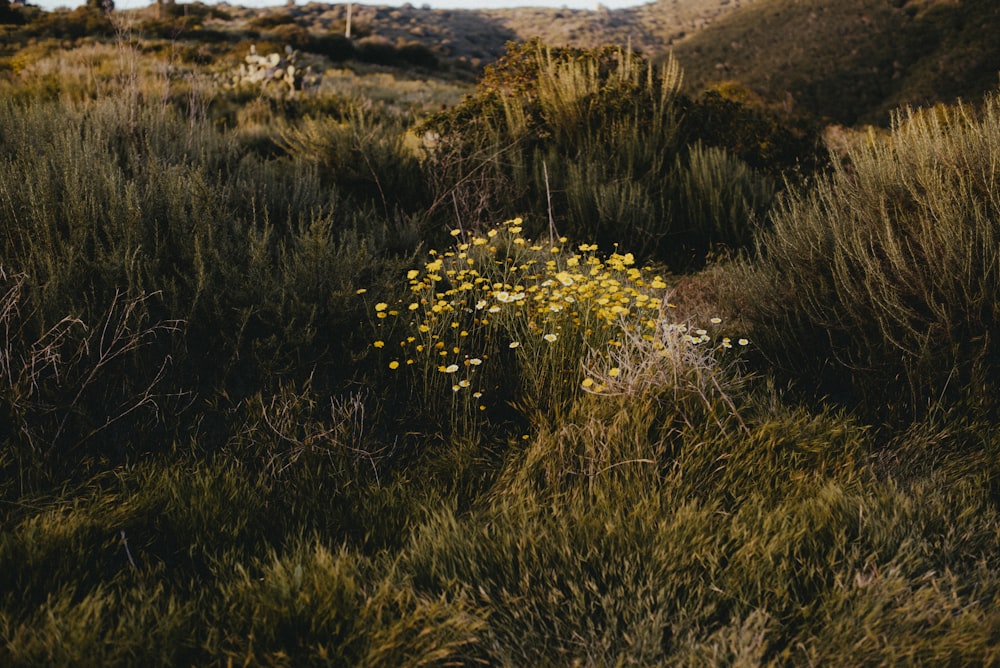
(847, 60)
(851, 60)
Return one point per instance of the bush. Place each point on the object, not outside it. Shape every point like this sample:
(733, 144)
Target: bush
(601, 143)
(880, 284)
(334, 46)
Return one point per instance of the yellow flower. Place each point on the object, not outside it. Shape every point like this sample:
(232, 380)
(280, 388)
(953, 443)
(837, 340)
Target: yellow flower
(412, 273)
(379, 344)
(587, 382)
(394, 365)
(381, 306)
(614, 371)
(455, 233)
(361, 291)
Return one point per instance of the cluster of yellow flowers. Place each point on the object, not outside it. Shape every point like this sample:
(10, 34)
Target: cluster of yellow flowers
(552, 304)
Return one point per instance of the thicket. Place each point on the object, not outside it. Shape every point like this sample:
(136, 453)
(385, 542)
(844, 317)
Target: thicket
(214, 449)
(880, 283)
(604, 146)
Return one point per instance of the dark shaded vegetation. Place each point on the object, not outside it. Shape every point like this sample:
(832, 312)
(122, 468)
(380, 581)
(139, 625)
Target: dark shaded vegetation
(205, 460)
(610, 146)
(851, 61)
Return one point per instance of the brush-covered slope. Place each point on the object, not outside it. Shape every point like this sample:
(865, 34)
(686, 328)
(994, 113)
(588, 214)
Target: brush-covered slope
(851, 60)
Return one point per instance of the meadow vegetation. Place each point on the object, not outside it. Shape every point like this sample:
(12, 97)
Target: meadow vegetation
(325, 379)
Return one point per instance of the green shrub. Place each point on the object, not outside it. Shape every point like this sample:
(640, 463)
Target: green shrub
(604, 145)
(879, 285)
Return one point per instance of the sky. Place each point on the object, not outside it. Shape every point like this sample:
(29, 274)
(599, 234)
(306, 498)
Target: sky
(436, 4)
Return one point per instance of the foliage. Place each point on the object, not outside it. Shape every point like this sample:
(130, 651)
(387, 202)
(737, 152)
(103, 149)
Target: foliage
(882, 280)
(206, 460)
(604, 144)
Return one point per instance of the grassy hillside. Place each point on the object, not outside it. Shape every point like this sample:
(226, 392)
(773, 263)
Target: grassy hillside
(577, 369)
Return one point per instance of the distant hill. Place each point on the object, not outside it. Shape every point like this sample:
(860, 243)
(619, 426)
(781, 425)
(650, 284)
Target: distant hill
(480, 36)
(846, 61)
(849, 61)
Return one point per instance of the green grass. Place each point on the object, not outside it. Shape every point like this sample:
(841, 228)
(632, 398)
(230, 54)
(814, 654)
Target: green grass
(205, 458)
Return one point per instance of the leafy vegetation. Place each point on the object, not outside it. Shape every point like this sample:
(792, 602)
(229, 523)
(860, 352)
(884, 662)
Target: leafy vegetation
(323, 379)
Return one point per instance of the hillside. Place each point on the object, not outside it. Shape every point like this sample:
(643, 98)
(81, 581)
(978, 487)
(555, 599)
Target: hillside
(851, 60)
(848, 61)
(480, 36)
(322, 355)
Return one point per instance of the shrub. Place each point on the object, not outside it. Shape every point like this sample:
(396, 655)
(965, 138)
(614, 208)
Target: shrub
(599, 142)
(376, 49)
(334, 46)
(879, 285)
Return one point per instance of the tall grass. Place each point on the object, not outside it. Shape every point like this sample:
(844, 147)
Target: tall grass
(119, 214)
(213, 449)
